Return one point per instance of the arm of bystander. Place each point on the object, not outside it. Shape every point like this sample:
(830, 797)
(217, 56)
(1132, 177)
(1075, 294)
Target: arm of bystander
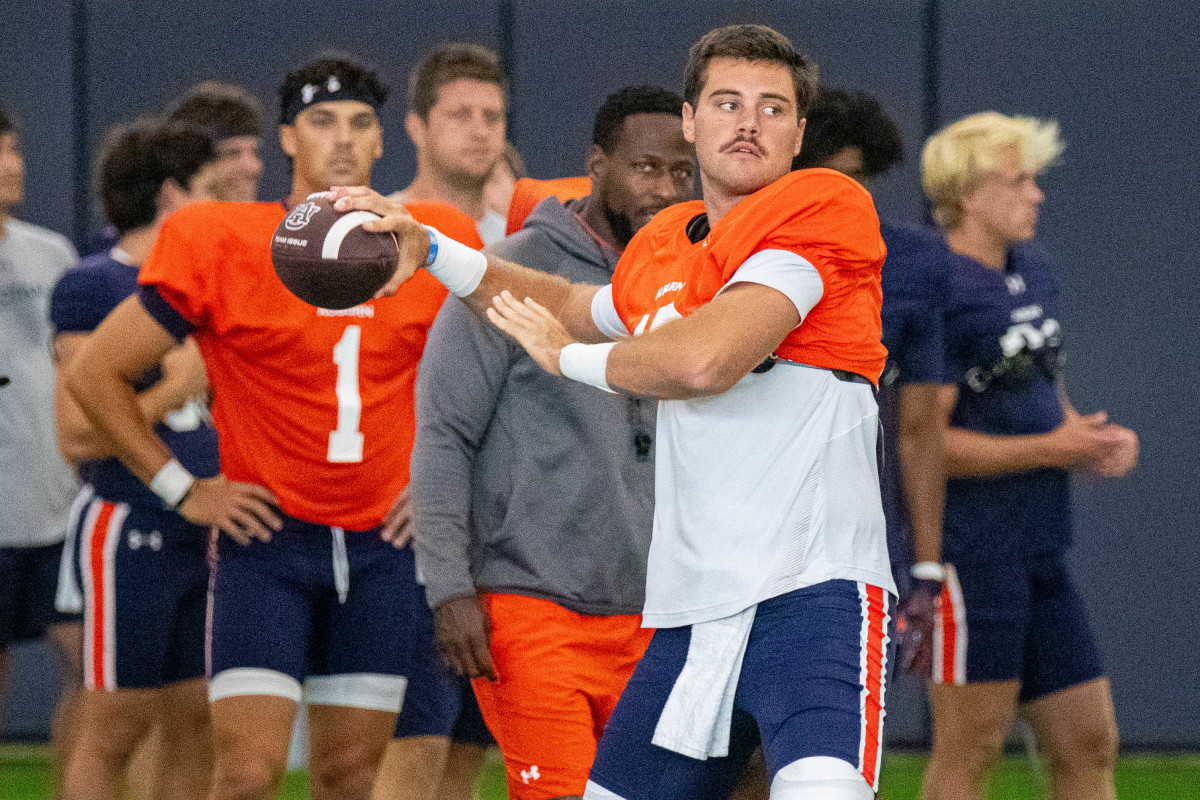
(1081, 442)
(462, 375)
(183, 380)
(101, 381)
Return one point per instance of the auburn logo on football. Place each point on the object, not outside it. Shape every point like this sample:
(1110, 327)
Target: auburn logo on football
(300, 216)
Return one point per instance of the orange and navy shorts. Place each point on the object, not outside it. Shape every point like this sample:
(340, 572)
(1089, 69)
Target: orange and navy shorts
(560, 675)
(144, 574)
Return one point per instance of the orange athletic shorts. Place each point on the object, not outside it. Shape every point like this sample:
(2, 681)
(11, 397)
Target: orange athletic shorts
(559, 677)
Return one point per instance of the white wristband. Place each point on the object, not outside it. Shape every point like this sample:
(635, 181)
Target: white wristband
(586, 363)
(928, 571)
(458, 267)
(172, 483)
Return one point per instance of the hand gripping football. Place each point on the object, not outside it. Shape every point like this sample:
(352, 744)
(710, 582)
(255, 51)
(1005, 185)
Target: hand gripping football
(325, 258)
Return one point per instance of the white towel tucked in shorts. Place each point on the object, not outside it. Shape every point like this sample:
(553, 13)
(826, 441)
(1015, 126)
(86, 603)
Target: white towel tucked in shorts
(699, 710)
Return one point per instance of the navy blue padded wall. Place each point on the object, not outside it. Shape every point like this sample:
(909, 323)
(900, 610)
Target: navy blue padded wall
(145, 53)
(35, 83)
(574, 56)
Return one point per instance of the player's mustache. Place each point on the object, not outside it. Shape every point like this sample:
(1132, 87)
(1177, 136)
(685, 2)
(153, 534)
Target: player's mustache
(747, 140)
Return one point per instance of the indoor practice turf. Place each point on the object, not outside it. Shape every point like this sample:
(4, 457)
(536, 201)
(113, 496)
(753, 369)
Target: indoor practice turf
(25, 774)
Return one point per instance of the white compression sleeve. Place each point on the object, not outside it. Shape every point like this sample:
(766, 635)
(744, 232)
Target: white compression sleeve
(458, 267)
(586, 363)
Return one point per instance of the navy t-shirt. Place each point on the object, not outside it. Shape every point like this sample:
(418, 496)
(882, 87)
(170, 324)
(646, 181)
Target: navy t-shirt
(915, 285)
(1003, 342)
(82, 299)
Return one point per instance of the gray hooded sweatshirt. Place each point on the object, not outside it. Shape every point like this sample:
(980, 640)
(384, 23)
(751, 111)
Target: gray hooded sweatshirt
(522, 482)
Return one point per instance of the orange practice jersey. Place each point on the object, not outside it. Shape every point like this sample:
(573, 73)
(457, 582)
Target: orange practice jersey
(529, 192)
(819, 214)
(315, 405)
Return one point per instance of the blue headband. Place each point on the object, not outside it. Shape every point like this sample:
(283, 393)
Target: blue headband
(329, 89)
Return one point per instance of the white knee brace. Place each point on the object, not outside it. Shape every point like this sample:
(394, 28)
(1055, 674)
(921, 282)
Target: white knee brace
(820, 778)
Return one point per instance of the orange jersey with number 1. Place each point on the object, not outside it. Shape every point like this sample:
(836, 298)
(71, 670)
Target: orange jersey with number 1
(819, 214)
(315, 405)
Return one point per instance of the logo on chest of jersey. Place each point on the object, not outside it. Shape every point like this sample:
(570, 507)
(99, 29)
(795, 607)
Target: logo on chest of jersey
(1015, 284)
(362, 312)
(673, 286)
(1026, 350)
(300, 217)
(1026, 313)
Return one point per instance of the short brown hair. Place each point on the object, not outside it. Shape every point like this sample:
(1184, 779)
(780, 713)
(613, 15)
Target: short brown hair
(749, 43)
(138, 158)
(449, 63)
(221, 110)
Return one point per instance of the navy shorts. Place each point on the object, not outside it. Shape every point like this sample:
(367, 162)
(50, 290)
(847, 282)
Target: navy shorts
(438, 702)
(1015, 620)
(28, 580)
(318, 614)
(143, 577)
(812, 682)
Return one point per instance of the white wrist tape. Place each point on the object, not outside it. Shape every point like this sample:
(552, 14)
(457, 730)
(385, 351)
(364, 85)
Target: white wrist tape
(928, 571)
(586, 363)
(172, 483)
(458, 267)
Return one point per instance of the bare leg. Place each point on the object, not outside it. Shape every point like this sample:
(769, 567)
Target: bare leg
(111, 723)
(412, 768)
(462, 771)
(144, 775)
(67, 646)
(186, 749)
(754, 784)
(1076, 730)
(251, 734)
(969, 726)
(346, 746)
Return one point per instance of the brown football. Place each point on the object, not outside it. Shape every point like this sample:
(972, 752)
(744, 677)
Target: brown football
(325, 258)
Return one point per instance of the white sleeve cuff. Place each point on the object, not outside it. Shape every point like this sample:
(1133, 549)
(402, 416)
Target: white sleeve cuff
(458, 267)
(172, 483)
(605, 316)
(586, 363)
(785, 271)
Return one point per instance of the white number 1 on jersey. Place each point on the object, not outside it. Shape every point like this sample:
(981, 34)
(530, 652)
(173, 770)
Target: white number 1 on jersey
(346, 443)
